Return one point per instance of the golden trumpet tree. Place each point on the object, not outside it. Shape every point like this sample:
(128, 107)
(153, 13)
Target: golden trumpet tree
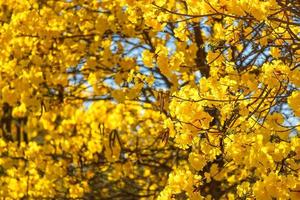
(149, 99)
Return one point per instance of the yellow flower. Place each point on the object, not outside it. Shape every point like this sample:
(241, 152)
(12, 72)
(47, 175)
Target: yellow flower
(19, 111)
(198, 161)
(294, 102)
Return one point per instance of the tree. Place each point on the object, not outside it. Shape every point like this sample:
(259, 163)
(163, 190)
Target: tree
(150, 99)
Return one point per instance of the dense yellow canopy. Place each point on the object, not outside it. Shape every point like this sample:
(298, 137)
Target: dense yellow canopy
(149, 99)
